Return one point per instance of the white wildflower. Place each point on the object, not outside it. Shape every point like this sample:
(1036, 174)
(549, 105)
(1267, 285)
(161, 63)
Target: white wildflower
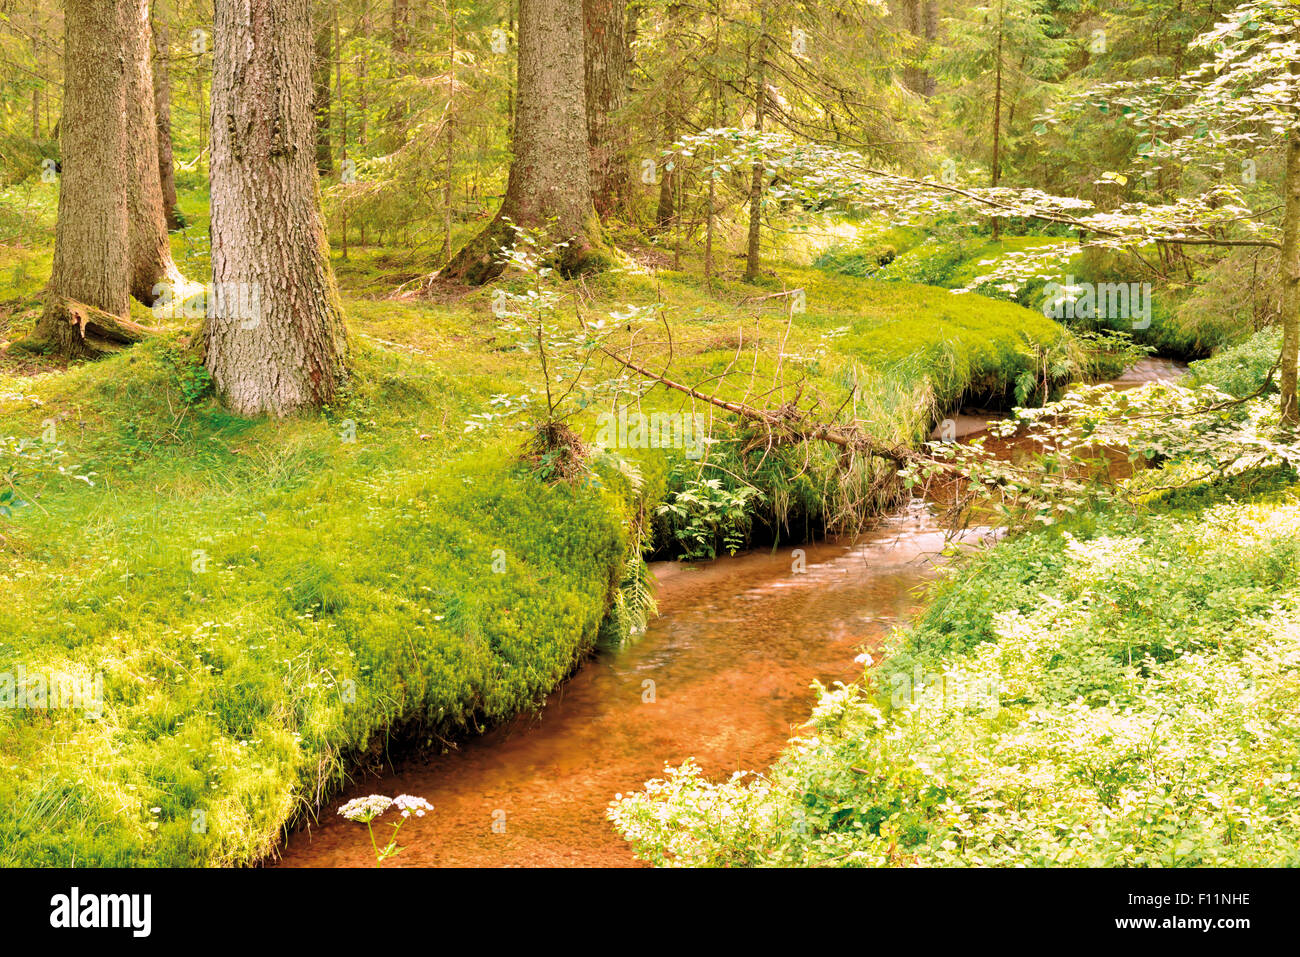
(366, 809)
(407, 804)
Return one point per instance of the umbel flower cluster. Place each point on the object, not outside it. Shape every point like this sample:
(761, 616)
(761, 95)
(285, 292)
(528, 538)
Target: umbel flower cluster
(366, 809)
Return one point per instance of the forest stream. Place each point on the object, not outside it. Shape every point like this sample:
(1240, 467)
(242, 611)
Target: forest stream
(723, 676)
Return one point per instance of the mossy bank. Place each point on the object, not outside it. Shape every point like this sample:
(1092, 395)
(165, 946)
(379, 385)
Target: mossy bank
(267, 604)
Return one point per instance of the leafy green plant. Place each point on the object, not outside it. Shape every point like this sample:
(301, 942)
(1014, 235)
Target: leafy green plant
(1106, 353)
(705, 513)
(190, 377)
(633, 603)
(1242, 369)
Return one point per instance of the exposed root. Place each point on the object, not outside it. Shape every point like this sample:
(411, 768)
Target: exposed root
(479, 261)
(556, 452)
(77, 331)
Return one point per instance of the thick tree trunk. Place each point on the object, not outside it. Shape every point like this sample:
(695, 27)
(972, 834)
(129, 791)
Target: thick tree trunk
(605, 40)
(1290, 262)
(162, 100)
(363, 85)
(150, 250)
(274, 337)
(550, 180)
(322, 53)
(401, 26)
(88, 294)
(711, 209)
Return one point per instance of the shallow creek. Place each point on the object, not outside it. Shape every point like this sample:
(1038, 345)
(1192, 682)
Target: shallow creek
(723, 675)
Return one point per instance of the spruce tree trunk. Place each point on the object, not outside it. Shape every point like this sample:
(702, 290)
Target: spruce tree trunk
(343, 123)
(400, 29)
(922, 22)
(605, 41)
(149, 248)
(931, 34)
(162, 99)
(87, 298)
(1290, 267)
(274, 337)
(666, 209)
(711, 209)
(322, 52)
(550, 179)
(912, 16)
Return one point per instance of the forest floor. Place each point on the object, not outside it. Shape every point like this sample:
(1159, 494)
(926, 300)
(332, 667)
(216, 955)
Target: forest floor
(269, 604)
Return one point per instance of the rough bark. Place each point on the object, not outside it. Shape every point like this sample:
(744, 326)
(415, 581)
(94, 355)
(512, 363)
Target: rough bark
(922, 19)
(149, 248)
(274, 337)
(549, 186)
(88, 292)
(162, 100)
(1290, 267)
(711, 208)
(605, 41)
(322, 51)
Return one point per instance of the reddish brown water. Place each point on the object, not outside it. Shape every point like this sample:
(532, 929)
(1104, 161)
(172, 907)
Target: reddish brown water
(731, 658)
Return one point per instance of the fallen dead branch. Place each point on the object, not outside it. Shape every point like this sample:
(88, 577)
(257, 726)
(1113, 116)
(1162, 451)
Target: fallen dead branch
(787, 423)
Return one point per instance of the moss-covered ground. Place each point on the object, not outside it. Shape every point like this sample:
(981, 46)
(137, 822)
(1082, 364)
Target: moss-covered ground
(267, 603)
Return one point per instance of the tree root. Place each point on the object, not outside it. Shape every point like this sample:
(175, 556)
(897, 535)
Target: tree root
(77, 331)
(479, 260)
